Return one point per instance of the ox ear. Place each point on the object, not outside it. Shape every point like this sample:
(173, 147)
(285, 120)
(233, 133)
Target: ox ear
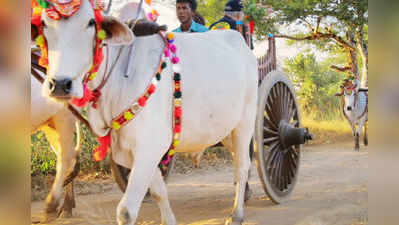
(117, 33)
(34, 32)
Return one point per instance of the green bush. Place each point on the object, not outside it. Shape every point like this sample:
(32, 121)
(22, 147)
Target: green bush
(43, 158)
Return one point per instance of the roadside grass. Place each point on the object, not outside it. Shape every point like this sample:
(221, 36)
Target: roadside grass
(328, 131)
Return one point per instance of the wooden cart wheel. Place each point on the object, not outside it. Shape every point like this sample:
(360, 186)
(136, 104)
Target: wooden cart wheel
(278, 136)
(121, 173)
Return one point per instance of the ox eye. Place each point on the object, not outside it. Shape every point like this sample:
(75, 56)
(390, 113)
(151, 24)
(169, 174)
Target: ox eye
(92, 23)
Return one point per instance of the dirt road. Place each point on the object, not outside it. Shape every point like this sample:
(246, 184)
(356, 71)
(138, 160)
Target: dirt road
(331, 190)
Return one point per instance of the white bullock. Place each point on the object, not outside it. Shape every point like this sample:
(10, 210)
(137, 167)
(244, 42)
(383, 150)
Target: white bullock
(219, 85)
(59, 125)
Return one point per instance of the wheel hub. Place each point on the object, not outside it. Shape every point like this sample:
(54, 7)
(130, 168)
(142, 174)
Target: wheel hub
(290, 135)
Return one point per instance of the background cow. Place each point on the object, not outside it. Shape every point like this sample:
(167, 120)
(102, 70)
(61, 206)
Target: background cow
(59, 125)
(355, 109)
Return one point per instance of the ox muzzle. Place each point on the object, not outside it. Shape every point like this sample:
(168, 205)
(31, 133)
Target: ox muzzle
(60, 88)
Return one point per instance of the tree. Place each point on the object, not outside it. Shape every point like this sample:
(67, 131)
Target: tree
(316, 85)
(211, 10)
(340, 25)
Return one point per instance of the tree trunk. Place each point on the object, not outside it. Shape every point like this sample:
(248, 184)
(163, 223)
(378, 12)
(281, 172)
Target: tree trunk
(353, 62)
(362, 48)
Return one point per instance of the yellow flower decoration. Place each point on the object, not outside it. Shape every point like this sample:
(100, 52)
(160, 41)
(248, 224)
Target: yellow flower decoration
(176, 143)
(37, 11)
(93, 76)
(171, 152)
(171, 36)
(177, 102)
(102, 35)
(116, 125)
(40, 40)
(128, 115)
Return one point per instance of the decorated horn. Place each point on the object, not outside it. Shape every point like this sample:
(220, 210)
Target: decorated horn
(140, 8)
(109, 7)
(128, 68)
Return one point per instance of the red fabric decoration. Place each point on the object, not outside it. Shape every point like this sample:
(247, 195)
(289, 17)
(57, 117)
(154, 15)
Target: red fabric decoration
(178, 112)
(87, 96)
(151, 89)
(142, 101)
(101, 151)
(177, 128)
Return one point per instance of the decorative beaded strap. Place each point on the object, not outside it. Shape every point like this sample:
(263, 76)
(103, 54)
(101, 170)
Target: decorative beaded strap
(129, 114)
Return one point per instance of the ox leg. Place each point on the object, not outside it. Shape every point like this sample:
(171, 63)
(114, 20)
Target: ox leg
(365, 135)
(144, 167)
(69, 202)
(61, 140)
(160, 194)
(357, 135)
(240, 151)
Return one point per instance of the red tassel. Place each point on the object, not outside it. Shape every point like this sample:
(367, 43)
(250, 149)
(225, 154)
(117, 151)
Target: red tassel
(177, 128)
(251, 26)
(178, 112)
(100, 153)
(142, 101)
(151, 89)
(87, 97)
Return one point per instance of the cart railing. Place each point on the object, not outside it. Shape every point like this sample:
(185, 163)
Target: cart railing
(268, 62)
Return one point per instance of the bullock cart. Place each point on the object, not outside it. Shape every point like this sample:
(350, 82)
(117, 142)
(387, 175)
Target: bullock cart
(278, 133)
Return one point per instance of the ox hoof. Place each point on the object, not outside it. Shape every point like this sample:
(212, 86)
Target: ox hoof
(48, 217)
(366, 142)
(65, 213)
(234, 221)
(124, 217)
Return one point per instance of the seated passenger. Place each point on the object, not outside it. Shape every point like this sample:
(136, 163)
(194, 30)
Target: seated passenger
(185, 10)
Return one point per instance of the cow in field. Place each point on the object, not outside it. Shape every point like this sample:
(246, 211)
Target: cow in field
(219, 85)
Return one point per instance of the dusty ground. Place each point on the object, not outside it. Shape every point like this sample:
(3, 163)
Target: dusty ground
(331, 190)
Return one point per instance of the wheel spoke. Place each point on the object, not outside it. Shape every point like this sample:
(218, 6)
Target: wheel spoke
(274, 168)
(292, 113)
(276, 105)
(282, 101)
(268, 141)
(271, 114)
(284, 173)
(278, 170)
(272, 154)
(290, 166)
(268, 123)
(269, 132)
(295, 123)
(286, 105)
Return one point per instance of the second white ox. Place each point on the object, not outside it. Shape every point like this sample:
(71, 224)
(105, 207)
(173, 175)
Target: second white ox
(219, 86)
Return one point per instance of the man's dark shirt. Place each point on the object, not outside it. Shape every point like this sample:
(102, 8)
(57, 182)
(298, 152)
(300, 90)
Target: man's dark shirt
(227, 23)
